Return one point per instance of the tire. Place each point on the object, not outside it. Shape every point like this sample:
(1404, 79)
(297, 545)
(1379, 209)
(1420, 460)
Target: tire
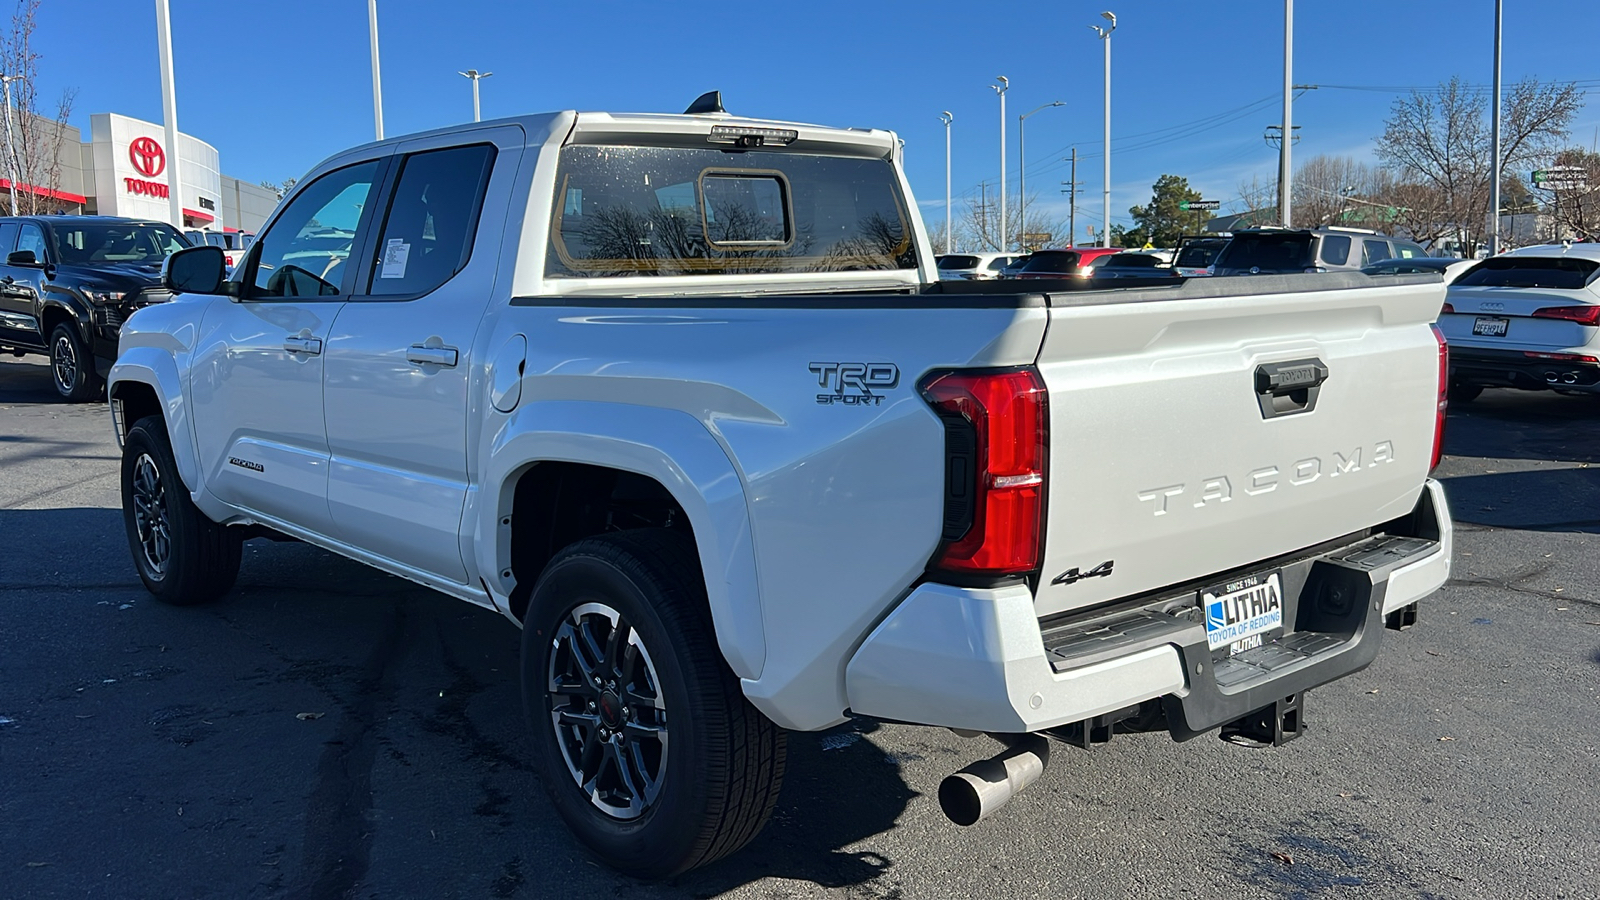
(717, 763)
(183, 557)
(72, 366)
(1464, 393)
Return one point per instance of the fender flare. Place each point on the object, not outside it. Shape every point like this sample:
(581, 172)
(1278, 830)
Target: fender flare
(157, 369)
(672, 447)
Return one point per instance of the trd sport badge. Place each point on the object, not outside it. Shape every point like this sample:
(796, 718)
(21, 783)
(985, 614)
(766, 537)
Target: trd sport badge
(853, 383)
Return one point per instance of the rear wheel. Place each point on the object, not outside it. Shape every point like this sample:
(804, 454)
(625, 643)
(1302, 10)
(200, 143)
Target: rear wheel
(72, 366)
(1464, 393)
(647, 746)
(183, 557)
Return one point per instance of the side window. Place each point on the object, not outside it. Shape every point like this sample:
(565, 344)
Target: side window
(303, 254)
(1374, 251)
(32, 238)
(427, 234)
(1335, 249)
(1403, 250)
(8, 238)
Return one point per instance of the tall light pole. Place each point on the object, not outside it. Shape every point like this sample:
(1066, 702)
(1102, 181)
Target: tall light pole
(169, 111)
(377, 82)
(1285, 175)
(475, 76)
(946, 118)
(11, 146)
(1001, 89)
(1022, 171)
(1494, 184)
(1105, 199)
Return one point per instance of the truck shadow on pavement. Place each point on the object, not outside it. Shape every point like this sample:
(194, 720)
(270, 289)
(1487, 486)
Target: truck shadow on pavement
(1566, 500)
(326, 731)
(1509, 424)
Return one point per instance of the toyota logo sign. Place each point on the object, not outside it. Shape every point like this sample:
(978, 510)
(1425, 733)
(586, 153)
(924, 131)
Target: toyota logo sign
(147, 156)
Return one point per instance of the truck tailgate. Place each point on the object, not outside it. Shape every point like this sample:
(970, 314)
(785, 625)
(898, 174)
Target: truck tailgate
(1167, 462)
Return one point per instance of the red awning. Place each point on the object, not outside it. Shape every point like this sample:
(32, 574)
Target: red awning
(5, 184)
(199, 216)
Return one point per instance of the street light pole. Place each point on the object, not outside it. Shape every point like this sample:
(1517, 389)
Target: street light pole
(377, 83)
(947, 118)
(475, 77)
(1001, 89)
(1105, 198)
(11, 146)
(169, 111)
(1494, 185)
(1022, 172)
(1285, 176)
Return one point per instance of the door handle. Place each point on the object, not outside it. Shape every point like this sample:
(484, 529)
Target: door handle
(1286, 388)
(423, 355)
(308, 346)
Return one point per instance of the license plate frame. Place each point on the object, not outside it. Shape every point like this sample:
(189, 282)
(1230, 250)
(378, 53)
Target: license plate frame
(1491, 326)
(1243, 613)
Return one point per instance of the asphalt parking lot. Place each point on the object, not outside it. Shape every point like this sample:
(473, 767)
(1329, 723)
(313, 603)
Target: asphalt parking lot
(328, 731)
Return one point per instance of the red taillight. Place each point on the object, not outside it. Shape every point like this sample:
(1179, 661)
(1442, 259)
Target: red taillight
(996, 425)
(1447, 310)
(1444, 394)
(1583, 315)
(1563, 357)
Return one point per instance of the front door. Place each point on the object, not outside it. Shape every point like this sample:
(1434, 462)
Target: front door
(399, 360)
(18, 319)
(256, 378)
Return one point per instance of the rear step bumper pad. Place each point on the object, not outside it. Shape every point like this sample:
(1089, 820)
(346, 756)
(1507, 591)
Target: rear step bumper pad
(976, 658)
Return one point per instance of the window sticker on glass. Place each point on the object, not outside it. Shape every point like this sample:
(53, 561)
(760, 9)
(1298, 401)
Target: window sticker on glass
(395, 255)
(745, 209)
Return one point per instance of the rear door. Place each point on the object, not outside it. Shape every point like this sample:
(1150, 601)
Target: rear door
(1167, 461)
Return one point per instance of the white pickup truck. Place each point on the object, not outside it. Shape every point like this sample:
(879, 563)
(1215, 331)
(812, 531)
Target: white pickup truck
(683, 396)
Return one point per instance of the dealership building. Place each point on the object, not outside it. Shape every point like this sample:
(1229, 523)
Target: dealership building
(124, 169)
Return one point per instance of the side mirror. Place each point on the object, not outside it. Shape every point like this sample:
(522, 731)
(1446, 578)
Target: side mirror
(195, 270)
(22, 258)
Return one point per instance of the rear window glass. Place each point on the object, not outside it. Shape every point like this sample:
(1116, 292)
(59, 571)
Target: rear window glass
(1335, 249)
(691, 211)
(1530, 272)
(998, 263)
(1047, 261)
(1267, 251)
(1133, 261)
(958, 262)
(1197, 256)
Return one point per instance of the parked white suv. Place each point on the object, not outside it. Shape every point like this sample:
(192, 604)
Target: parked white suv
(1529, 319)
(683, 396)
(973, 266)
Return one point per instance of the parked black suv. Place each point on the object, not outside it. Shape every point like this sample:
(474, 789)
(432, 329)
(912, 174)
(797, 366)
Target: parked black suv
(68, 283)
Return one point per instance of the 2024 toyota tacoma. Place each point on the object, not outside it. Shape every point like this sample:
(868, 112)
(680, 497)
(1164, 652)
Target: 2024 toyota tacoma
(682, 395)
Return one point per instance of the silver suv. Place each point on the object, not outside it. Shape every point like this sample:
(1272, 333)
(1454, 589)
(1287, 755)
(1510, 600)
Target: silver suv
(1283, 251)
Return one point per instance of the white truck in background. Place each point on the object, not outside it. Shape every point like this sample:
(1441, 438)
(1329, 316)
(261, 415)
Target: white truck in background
(683, 396)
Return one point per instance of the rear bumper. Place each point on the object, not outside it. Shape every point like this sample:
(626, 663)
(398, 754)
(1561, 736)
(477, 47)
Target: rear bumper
(979, 659)
(1513, 368)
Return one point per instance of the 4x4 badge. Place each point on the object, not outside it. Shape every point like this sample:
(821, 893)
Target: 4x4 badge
(1073, 576)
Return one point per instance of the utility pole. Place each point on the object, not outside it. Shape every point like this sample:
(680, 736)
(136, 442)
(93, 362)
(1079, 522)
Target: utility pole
(947, 118)
(1072, 201)
(1494, 184)
(1001, 89)
(1285, 180)
(1105, 197)
(11, 142)
(377, 82)
(169, 111)
(476, 77)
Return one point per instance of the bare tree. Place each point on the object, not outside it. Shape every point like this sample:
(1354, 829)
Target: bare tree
(1437, 144)
(976, 227)
(36, 142)
(1575, 211)
(1331, 189)
(1256, 194)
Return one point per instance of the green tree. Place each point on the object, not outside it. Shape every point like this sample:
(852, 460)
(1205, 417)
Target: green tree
(1164, 220)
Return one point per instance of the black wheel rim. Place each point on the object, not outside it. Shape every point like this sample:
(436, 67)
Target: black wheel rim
(609, 715)
(150, 517)
(64, 359)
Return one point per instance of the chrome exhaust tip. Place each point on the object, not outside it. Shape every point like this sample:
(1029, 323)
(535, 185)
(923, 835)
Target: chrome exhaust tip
(974, 793)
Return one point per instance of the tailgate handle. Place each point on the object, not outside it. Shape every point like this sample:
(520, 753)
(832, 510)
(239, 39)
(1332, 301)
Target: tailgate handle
(1286, 388)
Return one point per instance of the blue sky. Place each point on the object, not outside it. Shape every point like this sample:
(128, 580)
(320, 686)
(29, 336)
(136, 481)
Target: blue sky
(278, 86)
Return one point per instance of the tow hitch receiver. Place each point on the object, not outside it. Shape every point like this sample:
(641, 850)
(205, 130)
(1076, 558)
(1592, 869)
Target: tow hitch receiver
(1276, 725)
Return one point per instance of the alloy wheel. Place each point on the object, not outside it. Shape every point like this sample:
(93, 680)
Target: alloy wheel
(608, 711)
(64, 361)
(150, 516)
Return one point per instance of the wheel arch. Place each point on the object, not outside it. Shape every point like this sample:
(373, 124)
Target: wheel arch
(145, 382)
(645, 446)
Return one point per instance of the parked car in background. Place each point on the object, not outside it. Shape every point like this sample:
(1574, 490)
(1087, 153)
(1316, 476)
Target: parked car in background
(1195, 254)
(973, 266)
(68, 283)
(1015, 266)
(1450, 267)
(1285, 251)
(1076, 262)
(1133, 265)
(1529, 319)
(233, 243)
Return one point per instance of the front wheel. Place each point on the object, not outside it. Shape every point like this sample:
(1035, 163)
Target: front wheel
(72, 366)
(645, 743)
(183, 557)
